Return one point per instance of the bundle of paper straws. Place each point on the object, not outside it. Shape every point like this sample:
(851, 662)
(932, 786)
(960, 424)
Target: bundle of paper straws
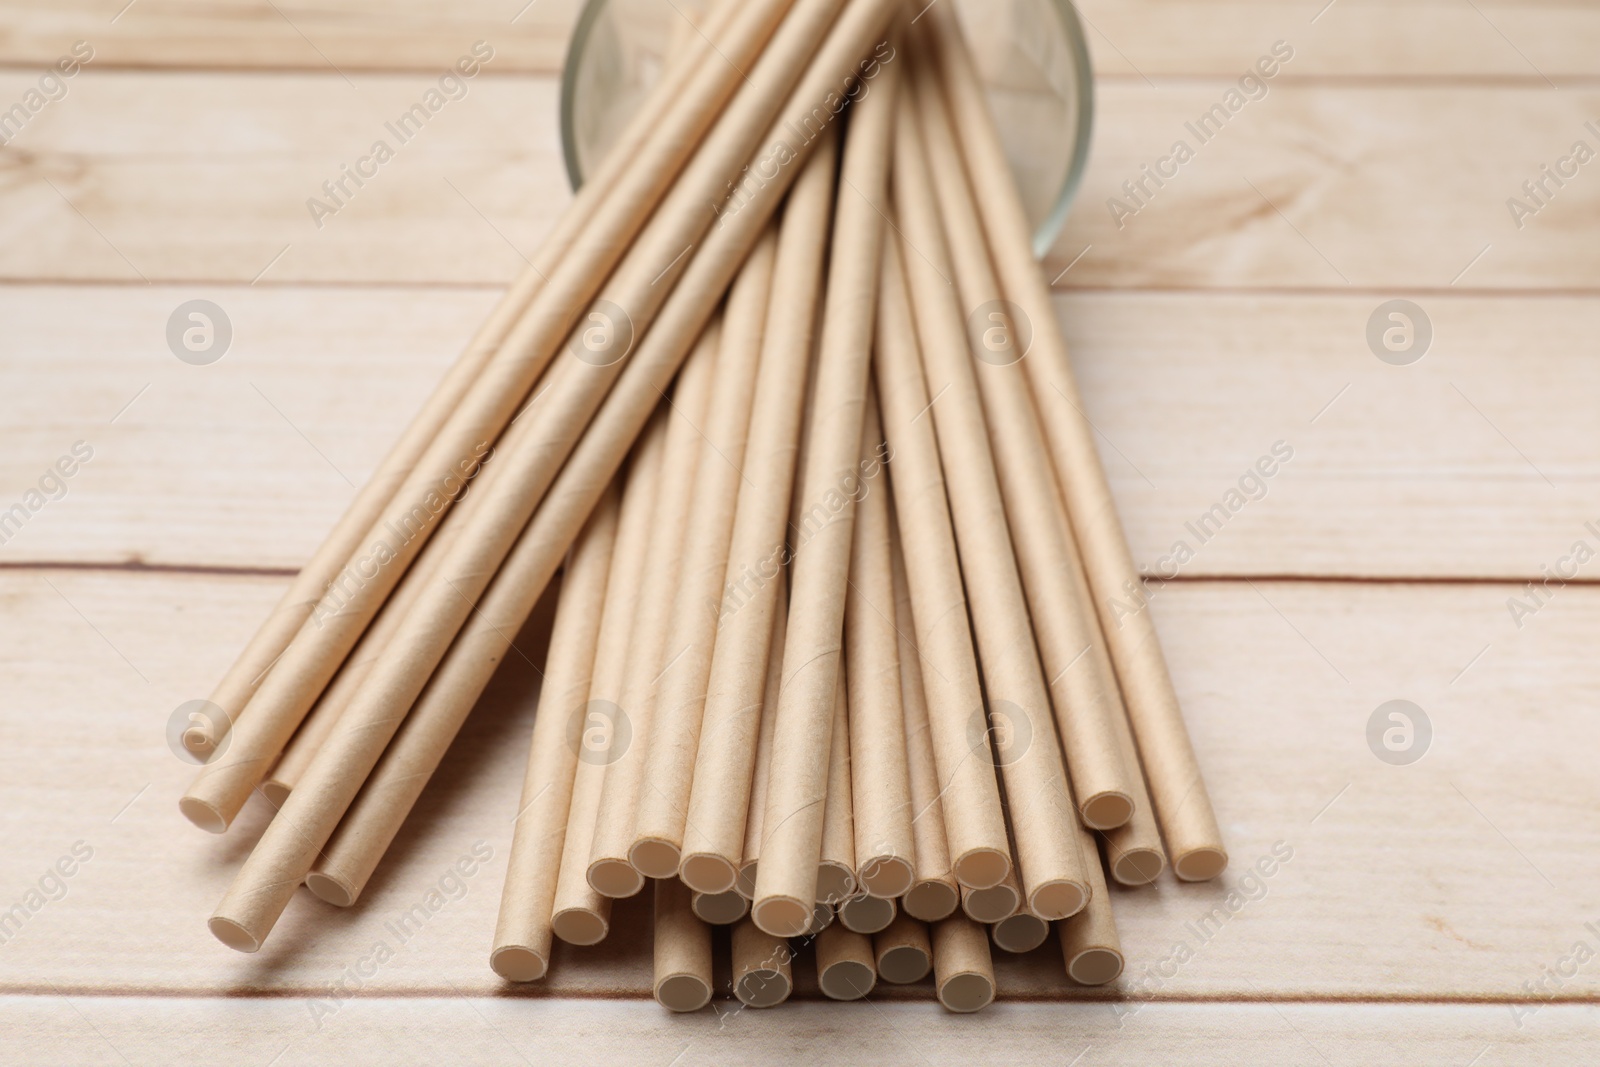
(785, 393)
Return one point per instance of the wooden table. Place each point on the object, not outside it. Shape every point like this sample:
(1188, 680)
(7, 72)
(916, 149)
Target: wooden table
(1430, 912)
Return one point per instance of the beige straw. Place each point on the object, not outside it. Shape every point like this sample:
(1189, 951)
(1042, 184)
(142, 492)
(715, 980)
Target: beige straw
(751, 852)
(822, 916)
(1090, 946)
(786, 884)
(902, 950)
(1182, 805)
(963, 970)
(1034, 777)
(836, 863)
(934, 892)
(579, 915)
(497, 391)
(610, 871)
(846, 967)
(965, 790)
(540, 880)
(762, 974)
(1022, 932)
(682, 954)
(675, 731)
(725, 766)
(994, 904)
(880, 781)
(345, 539)
(1086, 701)
(867, 914)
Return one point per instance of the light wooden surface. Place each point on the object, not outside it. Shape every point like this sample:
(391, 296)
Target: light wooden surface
(1423, 904)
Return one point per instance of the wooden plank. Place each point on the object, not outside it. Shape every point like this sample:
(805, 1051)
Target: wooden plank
(206, 177)
(489, 1030)
(351, 35)
(1432, 470)
(1460, 876)
(1154, 37)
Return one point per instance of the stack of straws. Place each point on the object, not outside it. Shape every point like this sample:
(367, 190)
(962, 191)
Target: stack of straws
(834, 533)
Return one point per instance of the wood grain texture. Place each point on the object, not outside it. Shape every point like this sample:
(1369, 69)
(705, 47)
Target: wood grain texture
(481, 1030)
(206, 177)
(1436, 470)
(1375, 38)
(1458, 877)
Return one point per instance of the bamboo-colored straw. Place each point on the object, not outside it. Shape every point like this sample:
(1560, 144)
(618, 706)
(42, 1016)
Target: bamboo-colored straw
(1090, 946)
(965, 788)
(1086, 701)
(579, 915)
(544, 875)
(751, 852)
(345, 539)
(963, 970)
(724, 769)
(880, 780)
(1038, 795)
(675, 731)
(1022, 932)
(609, 870)
(682, 954)
(720, 909)
(903, 952)
(934, 892)
(836, 863)
(822, 916)
(325, 714)
(867, 914)
(762, 973)
(994, 904)
(846, 967)
(1177, 788)
(787, 880)
(496, 392)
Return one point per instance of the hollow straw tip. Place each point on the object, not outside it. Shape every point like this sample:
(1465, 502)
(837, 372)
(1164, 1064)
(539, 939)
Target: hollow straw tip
(579, 926)
(1138, 866)
(783, 916)
(707, 873)
(233, 934)
(762, 988)
(887, 877)
(203, 814)
(968, 991)
(847, 980)
(1200, 864)
(682, 992)
(931, 901)
(1059, 900)
(276, 792)
(1095, 966)
(614, 878)
(655, 858)
(1106, 811)
(982, 868)
(333, 889)
(516, 963)
(904, 964)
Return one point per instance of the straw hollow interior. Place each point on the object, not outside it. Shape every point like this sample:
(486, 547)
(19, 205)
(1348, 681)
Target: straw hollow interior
(1138, 866)
(579, 926)
(1095, 966)
(1200, 865)
(866, 915)
(1022, 932)
(720, 909)
(762, 989)
(517, 964)
(931, 901)
(683, 992)
(847, 980)
(708, 874)
(904, 964)
(966, 992)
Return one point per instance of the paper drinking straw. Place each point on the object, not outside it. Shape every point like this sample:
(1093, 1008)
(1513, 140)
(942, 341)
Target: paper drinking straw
(880, 780)
(682, 950)
(344, 540)
(610, 871)
(934, 892)
(724, 768)
(579, 915)
(965, 787)
(1033, 775)
(787, 879)
(1090, 946)
(902, 950)
(1022, 932)
(1086, 700)
(762, 974)
(822, 915)
(963, 970)
(494, 395)
(751, 852)
(675, 732)
(836, 863)
(846, 968)
(540, 879)
(867, 914)
(1182, 804)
